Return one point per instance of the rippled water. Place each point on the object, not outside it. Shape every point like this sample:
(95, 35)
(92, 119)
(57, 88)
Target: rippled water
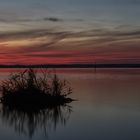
(108, 107)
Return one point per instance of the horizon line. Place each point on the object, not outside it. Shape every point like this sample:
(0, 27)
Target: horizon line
(99, 65)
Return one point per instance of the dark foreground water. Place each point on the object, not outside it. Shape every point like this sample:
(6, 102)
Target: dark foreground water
(108, 108)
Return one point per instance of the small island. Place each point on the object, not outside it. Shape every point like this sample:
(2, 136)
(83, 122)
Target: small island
(30, 89)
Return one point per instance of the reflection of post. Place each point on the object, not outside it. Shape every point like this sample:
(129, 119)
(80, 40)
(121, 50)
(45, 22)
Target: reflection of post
(95, 63)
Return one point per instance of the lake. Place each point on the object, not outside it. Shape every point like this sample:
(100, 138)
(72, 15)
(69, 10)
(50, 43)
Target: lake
(107, 107)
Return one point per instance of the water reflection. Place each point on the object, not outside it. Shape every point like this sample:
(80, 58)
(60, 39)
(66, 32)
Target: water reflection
(30, 121)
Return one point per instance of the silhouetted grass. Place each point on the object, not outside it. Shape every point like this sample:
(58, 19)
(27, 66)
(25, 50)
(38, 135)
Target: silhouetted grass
(32, 89)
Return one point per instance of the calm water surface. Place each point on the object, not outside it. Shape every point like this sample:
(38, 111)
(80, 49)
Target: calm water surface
(108, 107)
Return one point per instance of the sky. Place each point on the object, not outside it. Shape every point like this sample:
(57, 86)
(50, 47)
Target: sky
(69, 31)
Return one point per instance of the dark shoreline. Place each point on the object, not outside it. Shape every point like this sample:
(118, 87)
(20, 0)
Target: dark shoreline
(74, 66)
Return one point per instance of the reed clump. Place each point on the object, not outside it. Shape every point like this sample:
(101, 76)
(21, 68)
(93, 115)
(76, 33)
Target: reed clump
(31, 88)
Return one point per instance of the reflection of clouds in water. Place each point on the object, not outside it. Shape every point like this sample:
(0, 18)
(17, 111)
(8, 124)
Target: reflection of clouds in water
(29, 122)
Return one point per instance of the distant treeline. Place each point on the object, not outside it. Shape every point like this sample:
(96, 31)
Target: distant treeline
(73, 66)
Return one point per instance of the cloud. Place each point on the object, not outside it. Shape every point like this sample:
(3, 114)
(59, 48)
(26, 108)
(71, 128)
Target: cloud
(31, 34)
(54, 35)
(50, 19)
(31, 40)
(53, 19)
(105, 44)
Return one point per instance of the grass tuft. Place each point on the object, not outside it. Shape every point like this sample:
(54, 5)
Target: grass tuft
(31, 88)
